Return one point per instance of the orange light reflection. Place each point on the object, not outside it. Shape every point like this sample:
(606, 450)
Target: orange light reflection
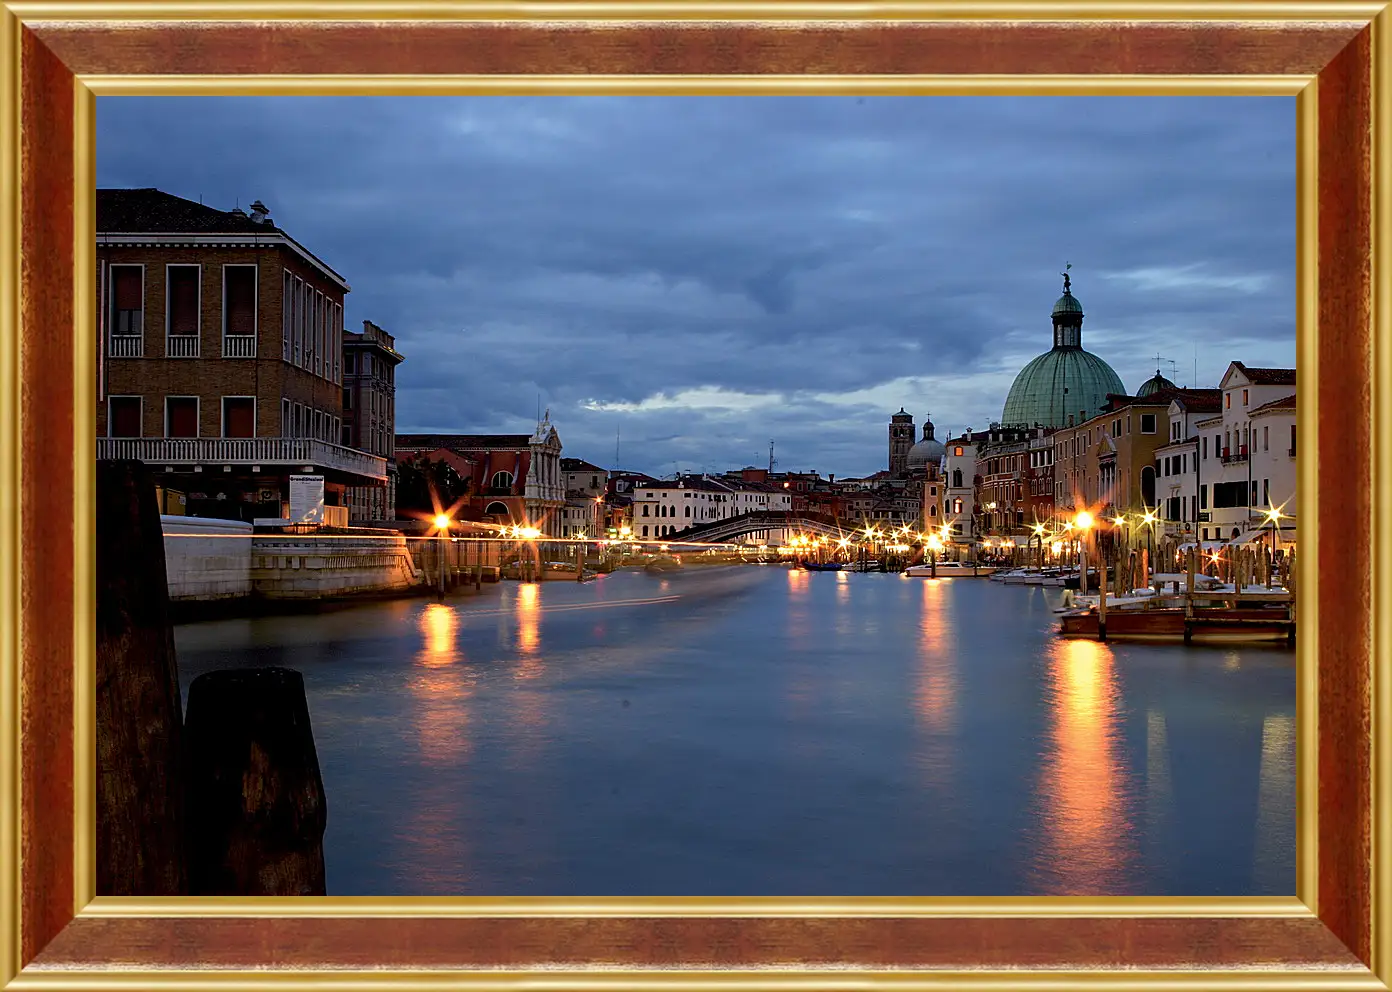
(442, 686)
(1087, 843)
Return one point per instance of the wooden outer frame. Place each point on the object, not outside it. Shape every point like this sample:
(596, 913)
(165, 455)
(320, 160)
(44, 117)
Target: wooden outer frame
(57, 55)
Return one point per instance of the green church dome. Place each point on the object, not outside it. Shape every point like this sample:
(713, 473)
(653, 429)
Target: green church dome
(1155, 384)
(1058, 383)
(1065, 381)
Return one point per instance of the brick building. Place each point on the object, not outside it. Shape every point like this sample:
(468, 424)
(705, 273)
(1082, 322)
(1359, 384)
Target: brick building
(221, 360)
(514, 478)
(369, 414)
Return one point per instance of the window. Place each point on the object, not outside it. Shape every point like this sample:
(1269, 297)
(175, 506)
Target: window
(1204, 442)
(181, 305)
(347, 399)
(594, 482)
(287, 292)
(123, 416)
(1147, 423)
(645, 526)
(688, 510)
(1227, 401)
(285, 418)
(1292, 447)
(181, 416)
(502, 480)
(1244, 397)
(957, 450)
(238, 416)
(1266, 438)
(496, 509)
(1254, 494)
(1266, 491)
(956, 506)
(239, 300)
(645, 510)
(932, 511)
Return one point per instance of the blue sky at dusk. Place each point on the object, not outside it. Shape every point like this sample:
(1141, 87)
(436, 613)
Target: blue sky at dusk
(705, 274)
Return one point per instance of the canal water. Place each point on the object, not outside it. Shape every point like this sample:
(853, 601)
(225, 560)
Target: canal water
(765, 731)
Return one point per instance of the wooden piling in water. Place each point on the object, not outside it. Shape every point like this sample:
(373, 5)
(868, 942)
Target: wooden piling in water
(256, 805)
(139, 725)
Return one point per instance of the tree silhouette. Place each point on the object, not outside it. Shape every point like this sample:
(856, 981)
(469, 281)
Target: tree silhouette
(425, 487)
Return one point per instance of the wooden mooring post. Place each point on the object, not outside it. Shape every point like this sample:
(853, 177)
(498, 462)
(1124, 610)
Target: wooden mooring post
(256, 805)
(140, 776)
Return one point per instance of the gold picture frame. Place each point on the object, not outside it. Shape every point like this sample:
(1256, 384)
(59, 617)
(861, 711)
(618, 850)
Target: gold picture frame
(56, 57)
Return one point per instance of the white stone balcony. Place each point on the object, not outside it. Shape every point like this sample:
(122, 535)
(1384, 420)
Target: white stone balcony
(297, 453)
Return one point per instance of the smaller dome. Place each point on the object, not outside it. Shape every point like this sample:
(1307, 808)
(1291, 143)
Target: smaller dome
(1067, 303)
(1155, 384)
(929, 451)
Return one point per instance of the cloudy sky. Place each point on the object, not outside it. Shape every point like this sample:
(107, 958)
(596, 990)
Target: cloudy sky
(704, 275)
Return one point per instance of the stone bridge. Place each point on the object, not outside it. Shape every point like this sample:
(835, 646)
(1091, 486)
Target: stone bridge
(731, 528)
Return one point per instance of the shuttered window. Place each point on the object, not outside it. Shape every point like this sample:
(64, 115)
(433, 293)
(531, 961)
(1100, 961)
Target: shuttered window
(182, 299)
(181, 416)
(239, 299)
(238, 416)
(123, 418)
(127, 299)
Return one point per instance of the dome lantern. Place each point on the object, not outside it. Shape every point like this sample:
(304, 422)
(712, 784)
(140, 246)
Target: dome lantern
(1065, 384)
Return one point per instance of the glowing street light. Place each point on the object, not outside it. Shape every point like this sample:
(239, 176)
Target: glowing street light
(441, 521)
(1083, 520)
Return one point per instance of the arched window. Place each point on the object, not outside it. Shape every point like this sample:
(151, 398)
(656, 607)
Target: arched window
(957, 478)
(932, 511)
(499, 509)
(645, 529)
(956, 506)
(688, 509)
(1148, 485)
(645, 512)
(502, 480)
(1236, 533)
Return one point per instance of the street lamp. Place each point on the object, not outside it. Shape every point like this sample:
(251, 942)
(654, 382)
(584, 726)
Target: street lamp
(442, 523)
(934, 546)
(1083, 522)
(1273, 514)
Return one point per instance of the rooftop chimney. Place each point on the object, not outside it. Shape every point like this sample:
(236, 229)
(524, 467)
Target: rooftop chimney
(259, 213)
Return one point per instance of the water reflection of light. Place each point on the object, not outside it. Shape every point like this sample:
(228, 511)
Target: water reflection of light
(1159, 791)
(1086, 844)
(1275, 808)
(843, 588)
(935, 698)
(528, 618)
(439, 626)
(797, 582)
(937, 677)
(442, 687)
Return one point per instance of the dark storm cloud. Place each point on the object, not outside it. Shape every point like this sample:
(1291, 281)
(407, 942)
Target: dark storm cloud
(704, 274)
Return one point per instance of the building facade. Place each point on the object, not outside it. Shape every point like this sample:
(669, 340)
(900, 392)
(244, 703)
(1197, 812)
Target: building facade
(369, 414)
(221, 355)
(516, 478)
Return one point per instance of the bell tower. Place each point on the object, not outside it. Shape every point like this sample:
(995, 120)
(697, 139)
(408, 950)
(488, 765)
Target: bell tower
(901, 439)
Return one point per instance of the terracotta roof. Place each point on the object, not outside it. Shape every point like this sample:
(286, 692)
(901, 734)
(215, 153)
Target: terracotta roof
(153, 211)
(463, 442)
(1284, 403)
(1200, 400)
(1268, 377)
(579, 465)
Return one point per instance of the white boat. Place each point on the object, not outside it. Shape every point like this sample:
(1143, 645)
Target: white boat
(950, 570)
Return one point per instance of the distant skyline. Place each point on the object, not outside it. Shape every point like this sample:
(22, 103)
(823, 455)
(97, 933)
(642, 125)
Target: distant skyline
(704, 274)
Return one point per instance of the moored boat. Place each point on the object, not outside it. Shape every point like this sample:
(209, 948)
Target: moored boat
(951, 570)
(1169, 624)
